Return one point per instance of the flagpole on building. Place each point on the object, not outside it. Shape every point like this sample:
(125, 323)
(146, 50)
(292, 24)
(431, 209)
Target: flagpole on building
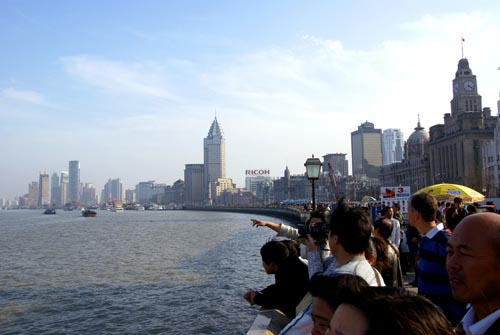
(463, 40)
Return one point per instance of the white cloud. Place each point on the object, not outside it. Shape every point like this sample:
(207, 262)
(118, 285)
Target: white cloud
(119, 77)
(23, 95)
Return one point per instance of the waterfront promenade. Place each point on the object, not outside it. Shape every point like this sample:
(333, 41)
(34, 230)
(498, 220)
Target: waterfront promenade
(293, 215)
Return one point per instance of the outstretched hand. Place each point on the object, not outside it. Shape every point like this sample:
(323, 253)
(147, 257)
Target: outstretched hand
(258, 223)
(250, 296)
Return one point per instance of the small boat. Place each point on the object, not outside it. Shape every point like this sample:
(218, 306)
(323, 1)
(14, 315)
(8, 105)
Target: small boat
(117, 209)
(50, 211)
(88, 213)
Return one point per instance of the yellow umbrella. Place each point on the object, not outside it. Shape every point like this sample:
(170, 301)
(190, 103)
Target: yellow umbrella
(449, 191)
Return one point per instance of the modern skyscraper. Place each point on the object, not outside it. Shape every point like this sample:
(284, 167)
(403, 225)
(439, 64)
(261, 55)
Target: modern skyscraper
(74, 181)
(366, 147)
(392, 146)
(55, 190)
(113, 191)
(43, 190)
(32, 200)
(88, 194)
(214, 158)
(64, 187)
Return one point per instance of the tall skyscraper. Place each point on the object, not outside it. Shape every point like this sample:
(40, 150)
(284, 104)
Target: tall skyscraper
(74, 181)
(32, 200)
(43, 190)
(64, 187)
(366, 147)
(214, 158)
(88, 194)
(392, 146)
(112, 191)
(55, 190)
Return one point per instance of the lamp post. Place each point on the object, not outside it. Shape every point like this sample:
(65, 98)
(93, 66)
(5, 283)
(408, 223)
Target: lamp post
(313, 170)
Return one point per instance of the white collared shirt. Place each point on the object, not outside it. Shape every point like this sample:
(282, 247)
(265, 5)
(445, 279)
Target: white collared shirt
(431, 233)
(472, 327)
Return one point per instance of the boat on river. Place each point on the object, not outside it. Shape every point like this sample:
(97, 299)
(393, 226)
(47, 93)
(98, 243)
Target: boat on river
(89, 213)
(50, 211)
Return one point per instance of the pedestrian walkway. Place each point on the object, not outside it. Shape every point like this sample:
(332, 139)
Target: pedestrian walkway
(408, 278)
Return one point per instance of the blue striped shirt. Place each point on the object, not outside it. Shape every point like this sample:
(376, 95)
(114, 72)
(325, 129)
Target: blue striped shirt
(433, 281)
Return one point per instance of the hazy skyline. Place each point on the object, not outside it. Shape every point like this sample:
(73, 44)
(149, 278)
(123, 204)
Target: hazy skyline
(131, 88)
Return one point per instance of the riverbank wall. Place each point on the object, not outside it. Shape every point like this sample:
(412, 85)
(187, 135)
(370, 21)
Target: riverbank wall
(292, 215)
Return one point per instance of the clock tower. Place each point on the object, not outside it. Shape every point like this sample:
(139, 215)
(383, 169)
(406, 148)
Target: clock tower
(465, 96)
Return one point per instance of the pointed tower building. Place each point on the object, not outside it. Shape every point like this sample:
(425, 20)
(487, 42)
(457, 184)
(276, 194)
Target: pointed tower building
(214, 158)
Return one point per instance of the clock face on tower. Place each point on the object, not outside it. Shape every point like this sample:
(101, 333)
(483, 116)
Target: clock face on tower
(456, 87)
(468, 85)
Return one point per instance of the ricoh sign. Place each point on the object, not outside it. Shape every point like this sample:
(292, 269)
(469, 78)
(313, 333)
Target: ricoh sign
(257, 172)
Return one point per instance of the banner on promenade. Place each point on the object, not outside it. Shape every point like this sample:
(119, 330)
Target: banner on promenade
(391, 194)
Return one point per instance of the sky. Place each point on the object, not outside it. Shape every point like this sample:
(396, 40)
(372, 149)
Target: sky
(130, 88)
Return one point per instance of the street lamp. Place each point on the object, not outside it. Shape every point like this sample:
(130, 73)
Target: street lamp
(313, 170)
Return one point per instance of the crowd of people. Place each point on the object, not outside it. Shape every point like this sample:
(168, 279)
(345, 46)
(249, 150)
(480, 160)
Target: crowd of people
(343, 273)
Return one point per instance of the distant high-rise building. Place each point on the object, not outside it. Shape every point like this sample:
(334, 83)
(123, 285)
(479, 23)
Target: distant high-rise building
(74, 181)
(145, 191)
(32, 200)
(193, 184)
(214, 158)
(262, 187)
(338, 162)
(129, 196)
(64, 187)
(88, 194)
(44, 190)
(392, 146)
(113, 191)
(55, 190)
(366, 147)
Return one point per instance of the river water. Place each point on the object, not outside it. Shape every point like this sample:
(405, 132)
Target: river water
(135, 272)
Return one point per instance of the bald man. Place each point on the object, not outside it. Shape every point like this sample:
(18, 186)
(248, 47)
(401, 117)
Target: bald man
(473, 264)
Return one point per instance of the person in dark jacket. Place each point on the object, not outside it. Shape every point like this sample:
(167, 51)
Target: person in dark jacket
(291, 280)
(455, 214)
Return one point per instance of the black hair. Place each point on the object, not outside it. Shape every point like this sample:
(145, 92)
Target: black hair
(385, 209)
(352, 226)
(384, 227)
(274, 252)
(326, 287)
(425, 204)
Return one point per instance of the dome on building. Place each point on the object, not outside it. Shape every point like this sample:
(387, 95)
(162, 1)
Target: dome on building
(419, 136)
(416, 141)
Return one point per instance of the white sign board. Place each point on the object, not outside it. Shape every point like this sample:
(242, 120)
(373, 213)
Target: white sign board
(392, 194)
